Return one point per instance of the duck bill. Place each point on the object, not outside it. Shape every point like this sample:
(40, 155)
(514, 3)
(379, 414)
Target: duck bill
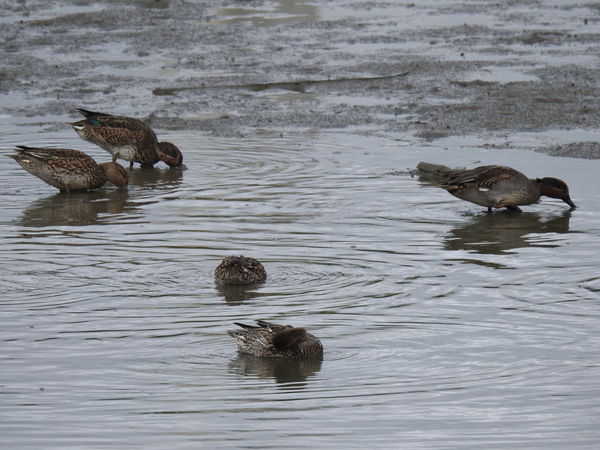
(569, 202)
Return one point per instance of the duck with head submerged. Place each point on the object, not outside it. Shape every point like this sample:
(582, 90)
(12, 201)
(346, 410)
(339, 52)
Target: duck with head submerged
(272, 340)
(69, 170)
(495, 186)
(126, 138)
(240, 270)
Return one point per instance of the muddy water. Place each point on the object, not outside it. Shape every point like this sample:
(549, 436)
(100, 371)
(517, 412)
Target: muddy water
(443, 326)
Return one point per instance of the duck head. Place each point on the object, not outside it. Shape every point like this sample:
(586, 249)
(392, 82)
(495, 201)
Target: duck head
(81, 127)
(169, 154)
(289, 339)
(555, 188)
(115, 173)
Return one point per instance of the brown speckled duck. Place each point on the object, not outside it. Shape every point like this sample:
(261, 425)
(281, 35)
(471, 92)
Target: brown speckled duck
(69, 170)
(496, 186)
(240, 270)
(126, 138)
(272, 340)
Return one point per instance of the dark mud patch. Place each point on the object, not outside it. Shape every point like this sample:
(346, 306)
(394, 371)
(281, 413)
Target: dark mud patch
(586, 150)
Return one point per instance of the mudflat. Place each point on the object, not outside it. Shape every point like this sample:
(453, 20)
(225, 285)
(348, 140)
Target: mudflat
(402, 70)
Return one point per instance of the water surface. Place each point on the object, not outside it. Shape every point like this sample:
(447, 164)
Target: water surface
(443, 326)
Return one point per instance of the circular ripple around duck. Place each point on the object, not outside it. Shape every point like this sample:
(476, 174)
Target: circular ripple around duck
(290, 156)
(324, 283)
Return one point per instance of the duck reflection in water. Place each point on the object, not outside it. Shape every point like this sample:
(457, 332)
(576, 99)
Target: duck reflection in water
(77, 208)
(160, 179)
(502, 232)
(283, 371)
(235, 294)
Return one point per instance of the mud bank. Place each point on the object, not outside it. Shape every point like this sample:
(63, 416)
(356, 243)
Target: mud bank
(408, 71)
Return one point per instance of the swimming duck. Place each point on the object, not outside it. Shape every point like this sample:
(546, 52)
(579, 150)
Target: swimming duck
(126, 138)
(240, 270)
(68, 170)
(496, 186)
(272, 340)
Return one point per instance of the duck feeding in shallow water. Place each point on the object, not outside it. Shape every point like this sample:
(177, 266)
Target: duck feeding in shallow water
(126, 138)
(69, 170)
(495, 186)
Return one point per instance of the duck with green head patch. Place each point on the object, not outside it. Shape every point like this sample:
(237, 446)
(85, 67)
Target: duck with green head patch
(126, 138)
(69, 170)
(495, 186)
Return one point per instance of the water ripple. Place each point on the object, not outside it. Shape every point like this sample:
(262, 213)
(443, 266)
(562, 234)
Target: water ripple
(111, 309)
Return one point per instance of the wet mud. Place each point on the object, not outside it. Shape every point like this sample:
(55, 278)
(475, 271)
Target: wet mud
(408, 71)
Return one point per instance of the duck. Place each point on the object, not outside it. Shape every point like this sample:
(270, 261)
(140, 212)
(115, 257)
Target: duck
(126, 138)
(67, 169)
(271, 340)
(240, 270)
(169, 154)
(496, 186)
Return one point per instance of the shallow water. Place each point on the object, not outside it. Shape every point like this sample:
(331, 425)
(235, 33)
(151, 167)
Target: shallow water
(443, 326)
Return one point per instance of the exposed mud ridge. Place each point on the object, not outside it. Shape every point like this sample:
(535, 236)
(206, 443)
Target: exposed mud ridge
(586, 150)
(392, 69)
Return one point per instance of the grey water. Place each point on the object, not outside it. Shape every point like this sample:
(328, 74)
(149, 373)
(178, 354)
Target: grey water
(443, 326)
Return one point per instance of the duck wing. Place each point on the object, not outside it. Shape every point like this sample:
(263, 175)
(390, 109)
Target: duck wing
(483, 177)
(48, 154)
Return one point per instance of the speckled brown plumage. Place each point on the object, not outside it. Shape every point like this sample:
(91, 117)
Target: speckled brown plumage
(496, 186)
(68, 170)
(240, 270)
(273, 340)
(126, 138)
